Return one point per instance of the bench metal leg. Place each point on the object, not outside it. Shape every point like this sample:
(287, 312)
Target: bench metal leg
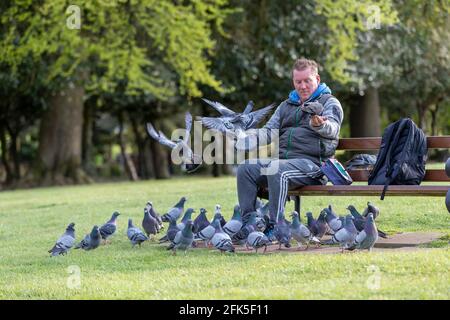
(297, 203)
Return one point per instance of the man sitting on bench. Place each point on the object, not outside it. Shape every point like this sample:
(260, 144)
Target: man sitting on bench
(308, 123)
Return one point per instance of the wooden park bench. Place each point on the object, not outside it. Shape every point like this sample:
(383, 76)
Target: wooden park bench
(361, 144)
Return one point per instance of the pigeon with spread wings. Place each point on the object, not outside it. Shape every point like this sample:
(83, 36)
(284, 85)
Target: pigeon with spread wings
(190, 161)
(234, 123)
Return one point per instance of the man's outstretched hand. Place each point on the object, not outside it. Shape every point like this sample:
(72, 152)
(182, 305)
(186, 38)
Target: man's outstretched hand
(317, 121)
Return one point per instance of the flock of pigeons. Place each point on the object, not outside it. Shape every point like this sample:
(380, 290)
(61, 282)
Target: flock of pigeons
(229, 122)
(354, 231)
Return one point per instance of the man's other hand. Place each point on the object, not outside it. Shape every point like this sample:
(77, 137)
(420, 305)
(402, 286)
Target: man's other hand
(317, 121)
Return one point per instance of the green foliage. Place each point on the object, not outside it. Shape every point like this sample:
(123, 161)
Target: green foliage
(117, 41)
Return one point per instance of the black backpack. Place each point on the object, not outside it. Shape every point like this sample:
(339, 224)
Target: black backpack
(402, 156)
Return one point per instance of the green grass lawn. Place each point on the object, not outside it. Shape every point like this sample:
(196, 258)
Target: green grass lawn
(31, 221)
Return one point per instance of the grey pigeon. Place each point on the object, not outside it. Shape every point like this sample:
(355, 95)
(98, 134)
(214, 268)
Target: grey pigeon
(91, 241)
(110, 227)
(65, 242)
(241, 236)
(366, 239)
(218, 211)
(149, 223)
(300, 232)
(313, 108)
(235, 123)
(282, 231)
(175, 212)
(172, 230)
(190, 161)
(334, 222)
(154, 214)
(183, 239)
(256, 240)
(346, 236)
(221, 241)
(360, 221)
(201, 221)
(371, 208)
(235, 224)
(187, 216)
(135, 234)
(207, 233)
(317, 227)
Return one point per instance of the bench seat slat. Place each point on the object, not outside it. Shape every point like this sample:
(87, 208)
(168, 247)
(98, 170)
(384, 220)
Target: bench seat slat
(393, 190)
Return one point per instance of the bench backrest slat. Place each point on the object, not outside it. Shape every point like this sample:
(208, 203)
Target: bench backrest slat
(373, 143)
(430, 175)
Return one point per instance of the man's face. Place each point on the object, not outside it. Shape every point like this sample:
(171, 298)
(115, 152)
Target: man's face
(305, 82)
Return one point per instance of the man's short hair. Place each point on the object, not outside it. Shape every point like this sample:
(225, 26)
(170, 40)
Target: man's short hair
(303, 63)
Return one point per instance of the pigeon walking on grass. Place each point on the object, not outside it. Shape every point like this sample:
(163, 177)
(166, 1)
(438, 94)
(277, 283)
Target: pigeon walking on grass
(241, 236)
(175, 212)
(135, 234)
(151, 209)
(201, 221)
(110, 227)
(300, 232)
(360, 221)
(334, 222)
(256, 240)
(172, 230)
(90, 241)
(187, 216)
(371, 208)
(183, 239)
(207, 233)
(282, 231)
(346, 236)
(65, 242)
(221, 240)
(366, 239)
(149, 223)
(235, 224)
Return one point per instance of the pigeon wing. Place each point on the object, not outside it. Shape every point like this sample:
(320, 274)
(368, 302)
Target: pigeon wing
(214, 123)
(159, 136)
(219, 107)
(257, 116)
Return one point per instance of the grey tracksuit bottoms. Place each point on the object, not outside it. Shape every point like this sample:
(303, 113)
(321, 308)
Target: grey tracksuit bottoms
(279, 175)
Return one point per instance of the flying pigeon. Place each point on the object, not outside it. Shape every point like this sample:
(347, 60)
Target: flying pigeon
(221, 240)
(149, 223)
(109, 228)
(207, 233)
(235, 123)
(300, 232)
(190, 161)
(135, 234)
(282, 231)
(154, 214)
(187, 216)
(246, 229)
(183, 239)
(90, 241)
(175, 212)
(360, 221)
(256, 240)
(201, 221)
(235, 224)
(366, 239)
(172, 230)
(65, 242)
(346, 236)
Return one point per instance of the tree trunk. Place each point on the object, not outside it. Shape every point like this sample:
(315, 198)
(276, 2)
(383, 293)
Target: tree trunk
(145, 165)
(60, 138)
(422, 110)
(88, 128)
(5, 161)
(160, 161)
(127, 161)
(365, 117)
